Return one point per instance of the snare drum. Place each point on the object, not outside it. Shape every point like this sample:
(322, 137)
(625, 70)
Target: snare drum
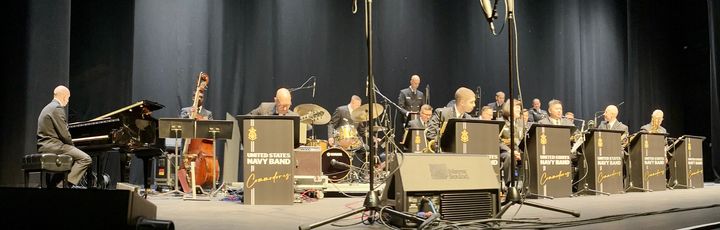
(347, 137)
(323, 144)
(335, 172)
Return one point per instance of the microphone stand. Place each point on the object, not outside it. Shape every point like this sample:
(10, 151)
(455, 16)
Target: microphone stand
(514, 195)
(372, 198)
(301, 87)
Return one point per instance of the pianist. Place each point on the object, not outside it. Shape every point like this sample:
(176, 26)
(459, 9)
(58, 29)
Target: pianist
(281, 106)
(53, 137)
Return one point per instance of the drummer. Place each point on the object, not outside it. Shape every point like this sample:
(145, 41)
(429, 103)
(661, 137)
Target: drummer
(342, 116)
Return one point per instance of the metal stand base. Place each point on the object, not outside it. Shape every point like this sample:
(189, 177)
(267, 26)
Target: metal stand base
(586, 188)
(513, 197)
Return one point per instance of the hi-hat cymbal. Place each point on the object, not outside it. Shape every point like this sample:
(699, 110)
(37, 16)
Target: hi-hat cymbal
(362, 114)
(312, 114)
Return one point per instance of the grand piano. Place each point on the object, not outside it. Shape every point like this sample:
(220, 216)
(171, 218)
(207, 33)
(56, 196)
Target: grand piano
(129, 130)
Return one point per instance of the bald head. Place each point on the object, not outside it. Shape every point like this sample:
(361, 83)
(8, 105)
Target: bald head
(464, 99)
(62, 94)
(611, 113)
(283, 101)
(414, 81)
(657, 118)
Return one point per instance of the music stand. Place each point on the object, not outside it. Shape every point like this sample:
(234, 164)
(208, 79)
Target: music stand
(176, 128)
(215, 130)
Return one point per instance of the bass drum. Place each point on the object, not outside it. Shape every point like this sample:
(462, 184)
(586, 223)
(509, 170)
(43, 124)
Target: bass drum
(336, 172)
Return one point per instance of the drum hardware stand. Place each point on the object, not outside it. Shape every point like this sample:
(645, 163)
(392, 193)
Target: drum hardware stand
(514, 196)
(586, 187)
(629, 176)
(372, 198)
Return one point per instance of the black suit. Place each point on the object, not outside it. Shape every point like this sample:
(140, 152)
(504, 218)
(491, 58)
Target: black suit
(186, 112)
(341, 117)
(497, 109)
(53, 137)
(537, 115)
(410, 101)
(440, 116)
(649, 126)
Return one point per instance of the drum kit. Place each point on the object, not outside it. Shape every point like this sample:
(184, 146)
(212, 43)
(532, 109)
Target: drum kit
(337, 158)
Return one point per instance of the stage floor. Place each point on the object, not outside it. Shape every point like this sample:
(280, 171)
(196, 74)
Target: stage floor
(217, 214)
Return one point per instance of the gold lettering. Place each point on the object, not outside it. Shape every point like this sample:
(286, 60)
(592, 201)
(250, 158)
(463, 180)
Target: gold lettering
(251, 180)
(602, 177)
(656, 173)
(698, 171)
(544, 178)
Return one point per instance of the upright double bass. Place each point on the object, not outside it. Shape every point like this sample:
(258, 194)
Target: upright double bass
(199, 151)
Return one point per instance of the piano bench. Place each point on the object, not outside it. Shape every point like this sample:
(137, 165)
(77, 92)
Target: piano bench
(46, 163)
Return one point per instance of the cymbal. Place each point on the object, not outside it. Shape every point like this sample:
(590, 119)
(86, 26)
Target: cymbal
(362, 114)
(312, 114)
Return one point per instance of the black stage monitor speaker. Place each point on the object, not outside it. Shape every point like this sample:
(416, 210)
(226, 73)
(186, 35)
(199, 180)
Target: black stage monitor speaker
(461, 186)
(32, 208)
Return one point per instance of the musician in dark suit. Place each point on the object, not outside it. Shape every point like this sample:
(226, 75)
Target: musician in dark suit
(53, 136)
(410, 99)
(497, 105)
(465, 102)
(204, 113)
(281, 106)
(536, 112)
(611, 122)
(555, 112)
(343, 116)
(422, 120)
(486, 113)
(655, 123)
(505, 156)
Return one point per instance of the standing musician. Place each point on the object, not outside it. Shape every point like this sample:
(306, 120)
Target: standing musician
(519, 132)
(204, 114)
(410, 99)
(281, 106)
(464, 103)
(53, 136)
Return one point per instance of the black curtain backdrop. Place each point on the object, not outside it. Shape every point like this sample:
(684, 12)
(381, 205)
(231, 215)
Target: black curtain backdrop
(714, 62)
(649, 54)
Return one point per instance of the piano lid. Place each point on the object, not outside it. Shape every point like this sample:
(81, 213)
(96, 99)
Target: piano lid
(150, 105)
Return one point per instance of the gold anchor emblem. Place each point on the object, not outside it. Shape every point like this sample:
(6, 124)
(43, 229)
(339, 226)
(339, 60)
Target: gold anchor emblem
(646, 144)
(417, 139)
(543, 139)
(600, 143)
(252, 133)
(689, 146)
(464, 137)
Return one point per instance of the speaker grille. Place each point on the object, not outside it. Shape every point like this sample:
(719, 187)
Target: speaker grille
(467, 206)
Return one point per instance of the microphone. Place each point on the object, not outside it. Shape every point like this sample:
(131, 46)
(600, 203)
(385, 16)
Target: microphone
(336, 164)
(489, 12)
(314, 85)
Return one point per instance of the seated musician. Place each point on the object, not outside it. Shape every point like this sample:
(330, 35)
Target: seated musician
(422, 120)
(204, 114)
(655, 123)
(464, 103)
(497, 105)
(555, 112)
(53, 136)
(611, 122)
(343, 116)
(519, 132)
(281, 106)
(655, 126)
(486, 113)
(536, 112)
